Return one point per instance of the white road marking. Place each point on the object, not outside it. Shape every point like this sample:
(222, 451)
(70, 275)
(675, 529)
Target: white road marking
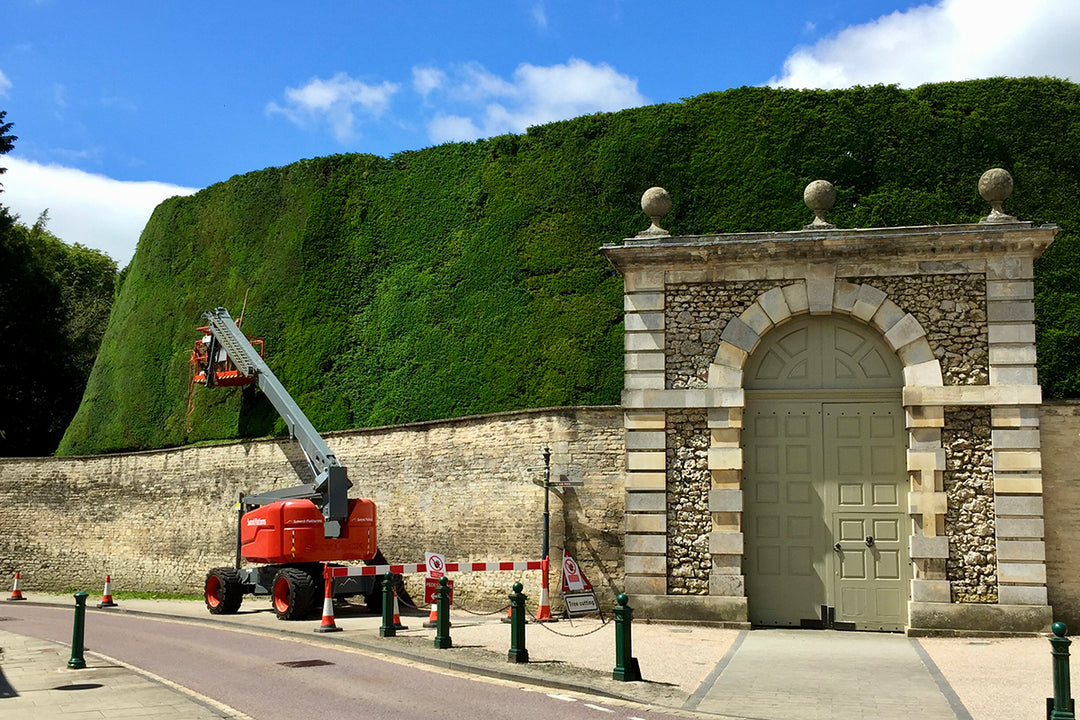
(564, 698)
(597, 707)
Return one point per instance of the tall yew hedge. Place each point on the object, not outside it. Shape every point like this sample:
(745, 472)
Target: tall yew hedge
(466, 278)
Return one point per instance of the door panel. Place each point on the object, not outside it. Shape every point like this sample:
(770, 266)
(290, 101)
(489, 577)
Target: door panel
(786, 568)
(864, 451)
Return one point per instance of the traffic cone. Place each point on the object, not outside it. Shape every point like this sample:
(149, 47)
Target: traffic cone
(327, 624)
(543, 614)
(16, 590)
(433, 618)
(397, 614)
(106, 596)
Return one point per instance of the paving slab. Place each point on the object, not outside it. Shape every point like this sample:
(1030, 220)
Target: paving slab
(808, 675)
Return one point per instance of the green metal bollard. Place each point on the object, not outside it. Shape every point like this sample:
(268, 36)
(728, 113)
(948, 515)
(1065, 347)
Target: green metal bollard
(388, 629)
(442, 622)
(1060, 707)
(77, 662)
(518, 653)
(626, 665)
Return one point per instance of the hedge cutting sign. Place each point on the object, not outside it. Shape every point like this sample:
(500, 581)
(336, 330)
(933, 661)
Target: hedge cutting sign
(435, 565)
(577, 591)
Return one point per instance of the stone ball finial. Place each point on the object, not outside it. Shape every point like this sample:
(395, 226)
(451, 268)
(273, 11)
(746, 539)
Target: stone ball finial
(995, 186)
(656, 202)
(819, 196)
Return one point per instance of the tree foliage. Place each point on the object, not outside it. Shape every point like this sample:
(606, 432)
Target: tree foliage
(465, 278)
(7, 140)
(54, 303)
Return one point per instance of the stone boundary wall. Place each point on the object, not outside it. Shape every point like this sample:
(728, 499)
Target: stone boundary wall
(157, 521)
(1060, 437)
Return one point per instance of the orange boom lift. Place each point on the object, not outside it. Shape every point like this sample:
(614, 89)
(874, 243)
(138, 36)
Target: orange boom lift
(290, 532)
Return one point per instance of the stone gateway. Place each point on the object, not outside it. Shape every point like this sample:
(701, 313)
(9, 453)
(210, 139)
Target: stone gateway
(835, 428)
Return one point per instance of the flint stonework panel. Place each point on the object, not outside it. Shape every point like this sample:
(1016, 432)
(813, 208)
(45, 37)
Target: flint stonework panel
(688, 519)
(695, 316)
(952, 310)
(969, 521)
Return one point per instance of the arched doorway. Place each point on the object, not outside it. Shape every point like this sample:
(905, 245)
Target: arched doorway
(825, 519)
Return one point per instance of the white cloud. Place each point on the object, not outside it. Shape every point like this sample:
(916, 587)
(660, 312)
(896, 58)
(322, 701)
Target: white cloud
(5, 84)
(93, 210)
(539, 15)
(535, 95)
(334, 101)
(426, 79)
(452, 128)
(476, 83)
(950, 40)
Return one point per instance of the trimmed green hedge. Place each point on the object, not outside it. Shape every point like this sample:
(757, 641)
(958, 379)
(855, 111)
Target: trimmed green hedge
(466, 278)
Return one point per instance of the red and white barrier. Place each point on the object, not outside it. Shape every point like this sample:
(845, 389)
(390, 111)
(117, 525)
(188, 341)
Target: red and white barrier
(354, 570)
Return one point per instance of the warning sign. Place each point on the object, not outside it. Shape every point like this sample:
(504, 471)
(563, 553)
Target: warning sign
(431, 590)
(577, 591)
(572, 577)
(435, 564)
(580, 603)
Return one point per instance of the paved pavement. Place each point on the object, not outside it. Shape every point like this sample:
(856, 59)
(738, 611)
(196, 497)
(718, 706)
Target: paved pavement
(702, 671)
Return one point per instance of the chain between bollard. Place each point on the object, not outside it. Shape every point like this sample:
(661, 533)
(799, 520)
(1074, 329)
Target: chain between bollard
(603, 624)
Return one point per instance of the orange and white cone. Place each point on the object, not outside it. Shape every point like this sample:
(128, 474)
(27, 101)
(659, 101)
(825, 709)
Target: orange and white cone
(543, 614)
(106, 596)
(433, 618)
(327, 624)
(397, 614)
(16, 589)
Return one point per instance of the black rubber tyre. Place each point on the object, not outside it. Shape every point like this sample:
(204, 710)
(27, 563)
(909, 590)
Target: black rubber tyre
(222, 591)
(293, 594)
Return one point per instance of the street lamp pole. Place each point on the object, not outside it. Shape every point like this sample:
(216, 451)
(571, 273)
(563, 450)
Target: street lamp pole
(547, 492)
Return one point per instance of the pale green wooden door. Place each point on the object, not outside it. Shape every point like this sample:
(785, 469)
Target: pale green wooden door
(787, 570)
(823, 453)
(864, 471)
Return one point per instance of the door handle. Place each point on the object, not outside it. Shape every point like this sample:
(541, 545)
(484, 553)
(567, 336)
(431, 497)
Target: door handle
(837, 547)
(869, 541)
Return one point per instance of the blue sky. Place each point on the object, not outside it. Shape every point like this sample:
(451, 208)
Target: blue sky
(118, 105)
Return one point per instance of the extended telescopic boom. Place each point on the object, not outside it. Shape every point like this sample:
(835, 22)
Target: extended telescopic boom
(329, 492)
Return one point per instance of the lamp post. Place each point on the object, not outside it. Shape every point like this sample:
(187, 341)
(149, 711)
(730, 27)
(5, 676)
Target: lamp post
(547, 504)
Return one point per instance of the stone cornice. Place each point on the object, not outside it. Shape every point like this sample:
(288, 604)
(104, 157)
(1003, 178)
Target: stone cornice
(939, 242)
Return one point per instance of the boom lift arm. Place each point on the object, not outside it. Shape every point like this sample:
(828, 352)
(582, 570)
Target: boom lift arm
(329, 492)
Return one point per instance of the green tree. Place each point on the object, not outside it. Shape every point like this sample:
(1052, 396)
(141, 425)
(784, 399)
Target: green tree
(7, 140)
(54, 303)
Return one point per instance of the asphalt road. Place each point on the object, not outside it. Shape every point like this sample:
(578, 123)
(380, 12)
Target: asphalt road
(268, 677)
